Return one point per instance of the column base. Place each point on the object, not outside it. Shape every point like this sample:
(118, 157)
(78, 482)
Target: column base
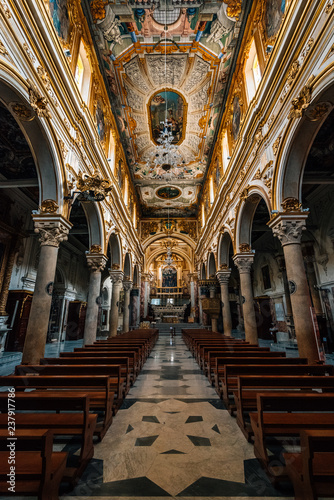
(3, 331)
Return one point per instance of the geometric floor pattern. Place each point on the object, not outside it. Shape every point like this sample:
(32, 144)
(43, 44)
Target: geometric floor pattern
(173, 438)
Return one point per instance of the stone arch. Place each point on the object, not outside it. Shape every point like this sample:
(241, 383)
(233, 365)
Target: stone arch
(297, 142)
(160, 236)
(162, 251)
(127, 269)
(223, 253)
(136, 276)
(211, 265)
(40, 136)
(115, 249)
(203, 272)
(95, 223)
(245, 215)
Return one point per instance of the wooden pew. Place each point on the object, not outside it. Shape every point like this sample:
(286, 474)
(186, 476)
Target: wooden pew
(232, 372)
(97, 388)
(132, 355)
(249, 359)
(120, 350)
(37, 473)
(208, 355)
(124, 362)
(75, 421)
(312, 470)
(282, 415)
(250, 386)
(116, 381)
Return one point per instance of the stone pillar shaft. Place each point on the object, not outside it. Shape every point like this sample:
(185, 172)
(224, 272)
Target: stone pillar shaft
(244, 262)
(127, 285)
(52, 230)
(96, 262)
(223, 278)
(116, 279)
(288, 228)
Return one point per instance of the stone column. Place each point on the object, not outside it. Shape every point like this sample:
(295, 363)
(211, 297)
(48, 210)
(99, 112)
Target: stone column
(289, 318)
(244, 263)
(146, 279)
(8, 268)
(288, 227)
(127, 285)
(96, 262)
(53, 229)
(116, 278)
(214, 317)
(223, 278)
(192, 278)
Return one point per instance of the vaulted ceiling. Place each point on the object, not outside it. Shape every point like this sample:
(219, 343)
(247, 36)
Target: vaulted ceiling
(174, 59)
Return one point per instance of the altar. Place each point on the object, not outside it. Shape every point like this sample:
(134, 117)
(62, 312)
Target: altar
(169, 313)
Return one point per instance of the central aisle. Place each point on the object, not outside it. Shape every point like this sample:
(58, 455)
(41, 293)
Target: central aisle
(173, 438)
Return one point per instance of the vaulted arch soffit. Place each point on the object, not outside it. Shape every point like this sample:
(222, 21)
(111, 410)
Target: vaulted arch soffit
(174, 236)
(159, 252)
(245, 215)
(298, 139)
(40, 136)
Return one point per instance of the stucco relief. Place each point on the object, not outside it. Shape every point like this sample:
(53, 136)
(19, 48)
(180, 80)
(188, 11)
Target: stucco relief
(162, 73)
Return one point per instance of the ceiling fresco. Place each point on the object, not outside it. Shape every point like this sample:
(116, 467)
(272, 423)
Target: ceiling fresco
(165, 61)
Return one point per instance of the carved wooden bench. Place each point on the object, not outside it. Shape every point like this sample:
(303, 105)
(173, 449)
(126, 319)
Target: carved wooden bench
(312, 470)
(37, 473)
(97, 388)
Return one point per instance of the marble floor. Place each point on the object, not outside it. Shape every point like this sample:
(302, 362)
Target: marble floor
(173, 438)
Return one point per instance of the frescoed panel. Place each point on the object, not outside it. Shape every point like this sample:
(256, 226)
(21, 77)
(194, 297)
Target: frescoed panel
(60, 18)
(236, 117)
(274, 14)
(170, 104)
(168, 192)
(169, 277)
(100, 119)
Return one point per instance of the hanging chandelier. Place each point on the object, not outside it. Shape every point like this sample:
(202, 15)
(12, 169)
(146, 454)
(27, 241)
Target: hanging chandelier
(169, 261)
(166, 154)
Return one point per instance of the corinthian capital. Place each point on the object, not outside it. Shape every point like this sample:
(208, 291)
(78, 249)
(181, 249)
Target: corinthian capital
(223, 277)
(244, 262)
(288, 229)
(116, 277)
(53, 229)
(96, 262)
(127, 285)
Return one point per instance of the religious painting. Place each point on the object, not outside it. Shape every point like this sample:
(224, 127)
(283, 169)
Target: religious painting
(166, 104)
(99, 116)
(169, 277)
(274, 15)
(236, 117)
(60, 18)
(266, 277)
(168, 192)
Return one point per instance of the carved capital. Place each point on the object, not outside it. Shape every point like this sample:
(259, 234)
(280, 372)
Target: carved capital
(223, 277)
(52, 229)
(193, 277)
(127, 285)
(116, 277)
(96, 262)
(244, 262)
(288, 228)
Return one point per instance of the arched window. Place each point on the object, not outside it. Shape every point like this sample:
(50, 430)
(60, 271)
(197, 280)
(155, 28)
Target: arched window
(83, 73)
(252, 72)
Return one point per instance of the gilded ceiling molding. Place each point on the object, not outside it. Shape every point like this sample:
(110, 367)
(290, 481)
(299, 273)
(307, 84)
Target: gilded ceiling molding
(5, 8)
(301, 103)
(3, 49)
(37, 101)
